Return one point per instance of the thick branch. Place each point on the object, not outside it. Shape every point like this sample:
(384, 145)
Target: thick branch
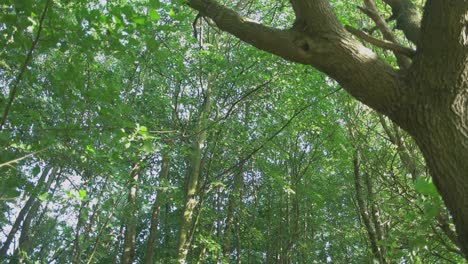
(444, 41)
(316, 16)
(408, 18)
(330, 49)
(272, 40)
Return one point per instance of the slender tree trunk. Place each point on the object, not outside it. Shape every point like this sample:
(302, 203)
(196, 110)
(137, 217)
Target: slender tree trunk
(232, 212)
(167, 231)
(196, 153)
(95, 214)
(375, 215)
(101, 232)
(24, 245)
(76, 242)
(377, 255)
(22, 214)
(238, 239)
(150, 247)
(131, 221)
(406, 157)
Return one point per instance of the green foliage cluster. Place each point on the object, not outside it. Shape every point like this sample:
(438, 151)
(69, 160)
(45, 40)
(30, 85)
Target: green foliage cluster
(114, 85)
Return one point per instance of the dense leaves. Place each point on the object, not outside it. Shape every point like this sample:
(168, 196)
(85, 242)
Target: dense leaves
(127, 111)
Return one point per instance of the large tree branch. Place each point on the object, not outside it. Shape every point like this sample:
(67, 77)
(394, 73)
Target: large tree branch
(408, 18)
(444, 41)
(315, 16)
(322, 43)
(272, 40)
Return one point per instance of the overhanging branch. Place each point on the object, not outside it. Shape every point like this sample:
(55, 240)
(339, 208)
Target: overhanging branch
(323, 43)
(408, 18)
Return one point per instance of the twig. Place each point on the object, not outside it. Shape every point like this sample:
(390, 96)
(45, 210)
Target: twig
(9, 163)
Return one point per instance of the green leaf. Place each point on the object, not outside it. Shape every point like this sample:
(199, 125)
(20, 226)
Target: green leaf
(69, 194)
(154, 15)
(431, 209)
(139, 20)
(172, 13)
(82, 194)
(425, 187)
(90, 149)
(43, 196)
(148, 147)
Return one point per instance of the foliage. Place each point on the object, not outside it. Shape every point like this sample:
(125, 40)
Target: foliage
(112, 84)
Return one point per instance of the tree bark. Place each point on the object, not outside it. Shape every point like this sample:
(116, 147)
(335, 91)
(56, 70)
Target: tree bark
(371, 232)
(22, 214)
(24, 245)
(232, 213)
(194, 172)
(429, 99)
(131, 222)
(150, 247)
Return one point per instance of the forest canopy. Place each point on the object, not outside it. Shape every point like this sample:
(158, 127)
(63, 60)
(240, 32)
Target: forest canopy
(202, 131)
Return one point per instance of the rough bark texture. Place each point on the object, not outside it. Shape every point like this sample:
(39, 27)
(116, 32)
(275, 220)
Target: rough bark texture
(429, 99)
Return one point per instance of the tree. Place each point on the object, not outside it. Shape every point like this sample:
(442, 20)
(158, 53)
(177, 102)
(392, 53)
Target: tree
(427, 96)
(113, 85)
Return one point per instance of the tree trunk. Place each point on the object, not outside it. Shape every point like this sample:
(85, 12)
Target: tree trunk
(446, 152)
(22, 214)
(76, 253)
(150, 247)
(196, 153)
(24, 245)
(232, 213)
(373, 239)
(131, 221)
(375, 215)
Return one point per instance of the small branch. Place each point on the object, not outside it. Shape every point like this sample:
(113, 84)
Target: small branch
(11, 162)
(381, 43)
(373, 13)
(194, 26)
(14, 89)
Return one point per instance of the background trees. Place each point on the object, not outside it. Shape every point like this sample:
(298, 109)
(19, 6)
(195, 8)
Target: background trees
(131, 140)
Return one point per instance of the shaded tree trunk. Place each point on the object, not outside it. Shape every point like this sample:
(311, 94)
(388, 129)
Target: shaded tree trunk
(24, 242)
(164, 173)
(76, 242)
(131, 221)
(232, 213)
(366, 218)
(24, 211)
